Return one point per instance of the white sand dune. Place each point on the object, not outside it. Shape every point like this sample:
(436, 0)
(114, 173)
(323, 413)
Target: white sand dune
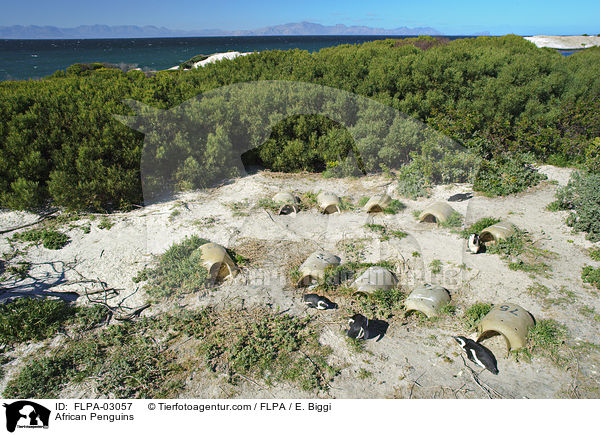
(217, 57)
(565, 42)
(274, 244)
(220, 56)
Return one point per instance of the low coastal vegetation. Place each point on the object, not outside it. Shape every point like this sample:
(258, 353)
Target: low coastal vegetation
(581, 197)
(137, 359)
(60, 142)
(178, 271)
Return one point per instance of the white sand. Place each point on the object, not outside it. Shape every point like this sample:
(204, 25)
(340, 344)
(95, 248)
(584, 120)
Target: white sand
(565, 42)
(409, 351)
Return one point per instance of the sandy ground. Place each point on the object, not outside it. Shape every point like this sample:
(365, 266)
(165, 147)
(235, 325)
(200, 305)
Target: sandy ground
(413, 359)
(565, 42)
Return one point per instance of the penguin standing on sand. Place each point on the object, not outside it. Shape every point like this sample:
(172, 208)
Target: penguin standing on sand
(474, 244)
(479, 354)
(313, 300)
(358, 327)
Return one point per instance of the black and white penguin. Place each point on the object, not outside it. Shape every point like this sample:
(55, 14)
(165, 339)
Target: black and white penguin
(358, 326)
(460, 197)
(313, 300)
(474, 244)
(479, 354)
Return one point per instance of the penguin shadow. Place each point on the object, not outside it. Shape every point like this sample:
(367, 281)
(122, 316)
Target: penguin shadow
(378, 328)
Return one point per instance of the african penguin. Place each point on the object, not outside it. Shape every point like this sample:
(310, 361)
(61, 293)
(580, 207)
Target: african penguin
(474, 244)
(313, 300)
(460, 197)
(358, 327)
(479, 354)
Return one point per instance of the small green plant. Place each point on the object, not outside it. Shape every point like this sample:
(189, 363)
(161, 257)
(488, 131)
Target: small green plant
(594, 254)
(362, 201)
(436, 266)
(106, 223)
(412, 183)
(262, 344)
(591, 276)
(394, 207)
(28, 319)
(125, 360)
(545, 338)
(581, 196)
(381, 304)
(179, 270)
(239, 208)
(448, 310)
(385, 232)
(364, 374)
(538, 290)
(454, 220)
(50, 239)
(308, 200)
(416, 254)
(479, 226)
(356, 346)
(269, 204)
(21, 271)
(506, 175)
(174, 214)
(473, 315)
(521, 253)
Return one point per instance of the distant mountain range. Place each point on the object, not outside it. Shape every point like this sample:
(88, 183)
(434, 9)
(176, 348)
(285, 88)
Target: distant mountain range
(103, 31)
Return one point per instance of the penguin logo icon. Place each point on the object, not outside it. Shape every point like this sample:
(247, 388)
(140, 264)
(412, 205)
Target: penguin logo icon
(26, 414)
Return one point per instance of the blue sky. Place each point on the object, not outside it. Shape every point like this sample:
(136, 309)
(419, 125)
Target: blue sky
(450, 17)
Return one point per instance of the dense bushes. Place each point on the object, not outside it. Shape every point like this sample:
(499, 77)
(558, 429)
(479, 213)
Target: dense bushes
(582, 197)
(60, 142)
(506, 175)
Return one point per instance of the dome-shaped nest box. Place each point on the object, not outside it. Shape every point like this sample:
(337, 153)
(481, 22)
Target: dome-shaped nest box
(329, 202)
(428, 300)
(377, 203)
(438, 212)
(375, 278)
(217, 261)
(509, 320)
(314, 267)
(499, 231)
(289, 203)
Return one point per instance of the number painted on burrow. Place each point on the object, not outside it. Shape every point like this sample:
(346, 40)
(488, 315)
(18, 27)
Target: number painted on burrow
(514, 311)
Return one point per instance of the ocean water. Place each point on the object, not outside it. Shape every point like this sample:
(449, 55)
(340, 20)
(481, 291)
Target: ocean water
(22, 59)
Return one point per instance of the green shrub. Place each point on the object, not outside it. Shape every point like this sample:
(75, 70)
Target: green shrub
(591, 276)
(27, 319)
(258, 343)
(394, 207)
(592, 156)
(49, 238)
(595, 254)
(381, 304)
(581, 196)
(506, 175)
(479, 226)
(386, 232)
(59, 140)
(412, 183)
(179, 270)
(125, 360)
(454, 220)
(473, 315)
(546, 338)
(521, 253)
